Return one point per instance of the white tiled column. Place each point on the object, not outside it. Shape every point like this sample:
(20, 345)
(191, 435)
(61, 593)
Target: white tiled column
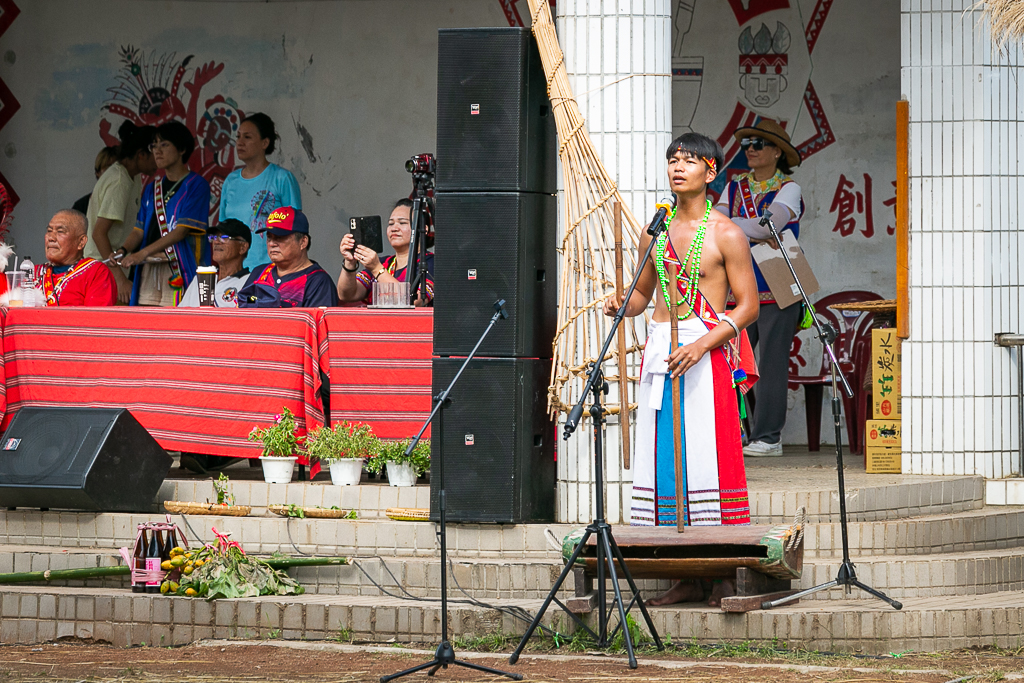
(618, 57)
(959, 405)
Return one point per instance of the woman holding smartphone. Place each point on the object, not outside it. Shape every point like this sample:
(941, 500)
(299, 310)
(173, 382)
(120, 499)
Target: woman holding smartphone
(363, 266)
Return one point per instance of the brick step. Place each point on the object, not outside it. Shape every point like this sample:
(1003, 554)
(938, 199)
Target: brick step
(866, 501)
(990, 528)
(987, 529)
(38, 614)
(977, 572)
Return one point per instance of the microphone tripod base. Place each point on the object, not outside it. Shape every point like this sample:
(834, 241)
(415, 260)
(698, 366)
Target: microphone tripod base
(445, 657)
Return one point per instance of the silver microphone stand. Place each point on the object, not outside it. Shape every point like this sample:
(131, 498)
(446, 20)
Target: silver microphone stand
(847, 575)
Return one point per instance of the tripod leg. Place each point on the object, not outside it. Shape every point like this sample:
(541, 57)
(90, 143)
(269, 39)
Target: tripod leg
(603, 539)
(796, 596)
(433, 663)
(488, 670)
(636, 592)
(514, 657)
(878, 594)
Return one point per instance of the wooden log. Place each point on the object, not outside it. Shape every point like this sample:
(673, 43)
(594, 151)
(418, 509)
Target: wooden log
(748, 603)
(621, 333)
(123, 570)
(750, 582)
(677, 427)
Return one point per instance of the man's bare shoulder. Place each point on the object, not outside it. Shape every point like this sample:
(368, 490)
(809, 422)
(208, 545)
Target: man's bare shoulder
(725, 231)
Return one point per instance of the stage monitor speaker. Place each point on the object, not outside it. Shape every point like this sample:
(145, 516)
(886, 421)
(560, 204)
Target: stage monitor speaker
(495, 246)
(497, 442)
(80, 459)
(495, 127)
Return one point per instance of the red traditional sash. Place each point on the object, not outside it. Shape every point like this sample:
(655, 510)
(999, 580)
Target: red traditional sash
(53, 287)
(707, 315)
(177, 280)
(747, 207)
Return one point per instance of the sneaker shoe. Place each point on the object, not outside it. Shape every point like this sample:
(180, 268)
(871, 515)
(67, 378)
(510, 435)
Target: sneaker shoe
(760, 449)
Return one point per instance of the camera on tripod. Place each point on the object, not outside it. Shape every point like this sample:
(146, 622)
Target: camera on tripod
(422, 164)
(423, 168)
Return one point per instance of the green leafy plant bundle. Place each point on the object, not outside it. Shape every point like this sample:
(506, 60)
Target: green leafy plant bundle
(344, 440)
(279, 439)
(394, 451)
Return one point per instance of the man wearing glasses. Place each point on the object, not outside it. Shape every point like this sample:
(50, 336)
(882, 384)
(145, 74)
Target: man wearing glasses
(230, 240)
(771, 157)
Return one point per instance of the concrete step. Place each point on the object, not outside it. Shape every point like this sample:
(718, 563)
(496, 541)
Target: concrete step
(869, 497)
(989, 528)
(904, 576)
(37, 614)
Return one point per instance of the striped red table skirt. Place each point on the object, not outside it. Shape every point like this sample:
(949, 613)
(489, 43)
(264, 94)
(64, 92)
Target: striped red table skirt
(380, 367)
(197, 379)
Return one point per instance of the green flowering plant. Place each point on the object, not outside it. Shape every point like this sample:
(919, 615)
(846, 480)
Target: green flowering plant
(394, 451)
(344, 440)
(279, 439)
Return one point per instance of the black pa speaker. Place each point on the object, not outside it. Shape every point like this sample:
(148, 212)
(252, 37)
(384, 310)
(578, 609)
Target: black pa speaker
(495, 246)
(80, 459)
(497, 442)
(495, 127)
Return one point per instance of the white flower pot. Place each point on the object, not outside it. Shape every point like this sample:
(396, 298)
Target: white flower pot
(401, 474)
(278, 470)
(347, 472)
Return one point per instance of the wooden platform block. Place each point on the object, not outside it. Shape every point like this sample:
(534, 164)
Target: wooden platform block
(748, 603)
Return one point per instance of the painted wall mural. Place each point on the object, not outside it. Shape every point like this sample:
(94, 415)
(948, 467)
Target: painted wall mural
(151, 90)
(769, 74)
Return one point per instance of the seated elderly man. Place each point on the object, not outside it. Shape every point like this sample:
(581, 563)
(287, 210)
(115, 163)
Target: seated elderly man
(69, 278)
(230, 241)
(291, 280)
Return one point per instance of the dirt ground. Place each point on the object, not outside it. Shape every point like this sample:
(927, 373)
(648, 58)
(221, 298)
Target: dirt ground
(213, 662)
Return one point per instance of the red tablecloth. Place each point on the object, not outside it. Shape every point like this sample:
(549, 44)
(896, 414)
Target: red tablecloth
(380, 367)
(197, 379)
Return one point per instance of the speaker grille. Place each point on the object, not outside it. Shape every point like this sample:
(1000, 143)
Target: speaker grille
(57, 447)
(495, 246)
(495, 129)
(496, 442)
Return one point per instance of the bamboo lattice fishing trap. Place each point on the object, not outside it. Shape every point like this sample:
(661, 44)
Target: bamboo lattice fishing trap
(588, 249)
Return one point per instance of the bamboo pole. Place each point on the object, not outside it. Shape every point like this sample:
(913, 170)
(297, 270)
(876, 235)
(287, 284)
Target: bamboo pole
(623, 379)
(677, 425)
(124, 570)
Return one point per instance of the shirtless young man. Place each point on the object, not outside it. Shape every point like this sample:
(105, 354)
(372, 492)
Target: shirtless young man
(715, 251)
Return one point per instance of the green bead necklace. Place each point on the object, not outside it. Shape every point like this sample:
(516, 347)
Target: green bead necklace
(691, 264)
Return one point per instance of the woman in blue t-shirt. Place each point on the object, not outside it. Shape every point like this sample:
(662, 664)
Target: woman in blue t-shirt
(250, 193)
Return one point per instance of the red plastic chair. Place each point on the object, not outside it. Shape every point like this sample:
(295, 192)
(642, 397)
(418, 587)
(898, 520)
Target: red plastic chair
(853, 350)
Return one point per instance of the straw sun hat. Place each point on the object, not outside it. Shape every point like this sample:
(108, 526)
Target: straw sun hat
(774, 133)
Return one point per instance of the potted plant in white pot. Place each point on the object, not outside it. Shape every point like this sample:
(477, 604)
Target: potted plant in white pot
(279, 447)
(402, 469)
(344, 448)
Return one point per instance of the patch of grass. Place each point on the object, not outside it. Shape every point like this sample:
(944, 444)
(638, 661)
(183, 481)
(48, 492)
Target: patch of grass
(344, 635)
(273, 634)
(489, 642)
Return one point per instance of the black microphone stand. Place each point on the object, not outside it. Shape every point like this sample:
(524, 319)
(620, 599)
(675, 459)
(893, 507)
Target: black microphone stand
(607, 550)
(445, 653)
(847, 575)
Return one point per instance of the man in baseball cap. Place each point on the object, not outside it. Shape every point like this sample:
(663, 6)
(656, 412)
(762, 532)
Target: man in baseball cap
(291, 280)
(230, 241)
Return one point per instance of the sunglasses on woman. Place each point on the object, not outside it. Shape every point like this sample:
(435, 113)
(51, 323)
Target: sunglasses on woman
(756, 143)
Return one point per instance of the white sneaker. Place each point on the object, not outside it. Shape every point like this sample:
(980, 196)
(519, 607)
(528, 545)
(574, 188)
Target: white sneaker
(760, 449)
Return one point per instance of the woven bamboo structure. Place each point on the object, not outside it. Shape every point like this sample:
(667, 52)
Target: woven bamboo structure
(587, 250)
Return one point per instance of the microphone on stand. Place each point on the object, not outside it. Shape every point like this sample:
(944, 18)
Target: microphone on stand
(664, 206)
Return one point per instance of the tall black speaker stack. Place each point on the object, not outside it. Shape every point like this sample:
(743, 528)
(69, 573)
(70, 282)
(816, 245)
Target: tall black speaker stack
(495, 239)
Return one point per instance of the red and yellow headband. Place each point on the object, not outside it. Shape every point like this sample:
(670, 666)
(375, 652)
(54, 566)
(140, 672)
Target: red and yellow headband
(711, 164)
